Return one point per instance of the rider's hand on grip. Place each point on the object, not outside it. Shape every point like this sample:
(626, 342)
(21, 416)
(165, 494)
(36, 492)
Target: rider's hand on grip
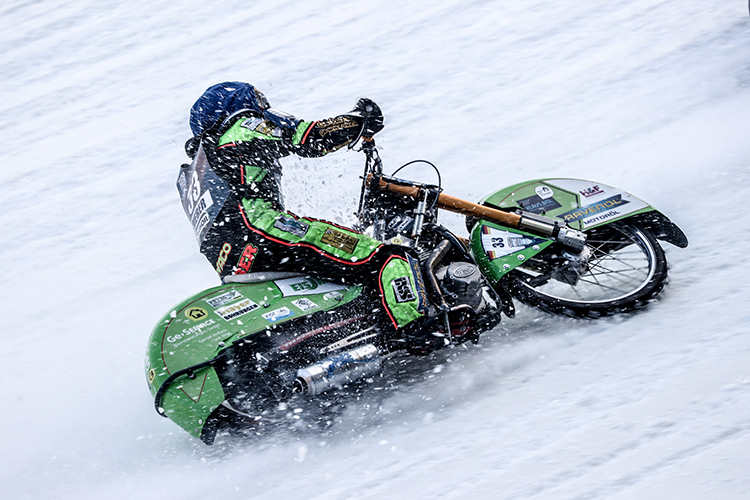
(372, 117)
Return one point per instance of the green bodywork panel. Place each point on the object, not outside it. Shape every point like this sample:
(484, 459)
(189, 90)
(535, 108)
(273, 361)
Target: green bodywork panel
(200, 327)
(498, 249)
(581, 204)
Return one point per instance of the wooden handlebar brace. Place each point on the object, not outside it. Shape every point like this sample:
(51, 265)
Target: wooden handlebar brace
(453, 204)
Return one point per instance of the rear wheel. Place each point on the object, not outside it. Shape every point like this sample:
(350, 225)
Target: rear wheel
(624, 269)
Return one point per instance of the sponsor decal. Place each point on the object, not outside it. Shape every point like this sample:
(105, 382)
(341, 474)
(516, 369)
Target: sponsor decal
(597, 208)
(400, 223)
(292, 226)
(237, 309)
(330, 125)
(261, 126)
(537, 204)
(246, 259)
(305, 304)
(223, 298)
(251, 123)
(198, 327)
(278, 314)
(544, 192)
(306, 285)
(419, 285)
(498, 243)
(339, 240)
(594, 190)
(208, 331)
(402, 289)
(597, 200)
(203, 194)
(151, 376)
(202, 223)
(590, 221)
(187, 332)
(333, 295)
(344, 360)
(519, 241)
(196, 313)
(223, 254)
(200, 218)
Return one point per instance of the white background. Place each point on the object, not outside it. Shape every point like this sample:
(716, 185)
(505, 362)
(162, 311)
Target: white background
(647, 95)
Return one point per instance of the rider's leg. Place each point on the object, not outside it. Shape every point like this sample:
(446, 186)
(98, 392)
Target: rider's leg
(281, 241)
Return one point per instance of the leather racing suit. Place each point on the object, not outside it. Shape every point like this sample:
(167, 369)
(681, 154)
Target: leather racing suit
(232, 195)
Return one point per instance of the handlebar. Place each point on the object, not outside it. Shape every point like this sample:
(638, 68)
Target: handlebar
(540, 225)
(445, 201)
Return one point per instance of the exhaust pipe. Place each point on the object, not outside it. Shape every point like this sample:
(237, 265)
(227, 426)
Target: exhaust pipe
(338, 370)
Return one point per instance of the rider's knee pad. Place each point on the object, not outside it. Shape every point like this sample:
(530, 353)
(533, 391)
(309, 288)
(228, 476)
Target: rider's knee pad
(402, 290)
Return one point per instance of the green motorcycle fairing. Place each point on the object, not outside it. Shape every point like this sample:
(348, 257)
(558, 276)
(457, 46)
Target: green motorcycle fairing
(199, 328)
(581, 204)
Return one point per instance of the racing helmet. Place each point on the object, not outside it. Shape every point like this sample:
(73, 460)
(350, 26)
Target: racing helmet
(223, 99)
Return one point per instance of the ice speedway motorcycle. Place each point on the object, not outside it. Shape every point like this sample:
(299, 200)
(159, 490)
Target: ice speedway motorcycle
(223, 358)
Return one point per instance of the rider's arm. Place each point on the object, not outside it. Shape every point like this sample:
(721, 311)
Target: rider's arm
(321, 137)
(324, 136)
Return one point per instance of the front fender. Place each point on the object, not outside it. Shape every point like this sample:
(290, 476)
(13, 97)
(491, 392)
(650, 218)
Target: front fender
(585, 205)
(582, 204)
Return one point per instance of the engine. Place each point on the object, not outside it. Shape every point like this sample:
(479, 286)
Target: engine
(461, 283)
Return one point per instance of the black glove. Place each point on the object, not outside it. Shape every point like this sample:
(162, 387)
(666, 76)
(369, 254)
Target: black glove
(372, 117)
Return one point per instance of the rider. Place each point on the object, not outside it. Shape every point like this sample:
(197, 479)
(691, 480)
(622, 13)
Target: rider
(232, 195)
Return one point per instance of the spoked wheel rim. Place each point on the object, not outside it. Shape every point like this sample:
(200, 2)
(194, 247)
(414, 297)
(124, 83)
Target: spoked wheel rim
(623, 264)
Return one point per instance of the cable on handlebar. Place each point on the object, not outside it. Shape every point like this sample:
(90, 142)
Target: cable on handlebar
(440, 182)
(437, 171)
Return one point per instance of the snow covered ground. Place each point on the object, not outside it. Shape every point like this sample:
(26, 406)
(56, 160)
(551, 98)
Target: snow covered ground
(649, 95)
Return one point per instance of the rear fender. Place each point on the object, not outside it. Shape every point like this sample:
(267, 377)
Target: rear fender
(200, 328)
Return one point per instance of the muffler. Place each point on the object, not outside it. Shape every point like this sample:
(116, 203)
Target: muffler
(334, 372)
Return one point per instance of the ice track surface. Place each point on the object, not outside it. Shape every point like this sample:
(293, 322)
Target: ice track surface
(648, 95)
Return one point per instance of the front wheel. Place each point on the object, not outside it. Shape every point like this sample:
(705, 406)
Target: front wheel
(625, 268)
